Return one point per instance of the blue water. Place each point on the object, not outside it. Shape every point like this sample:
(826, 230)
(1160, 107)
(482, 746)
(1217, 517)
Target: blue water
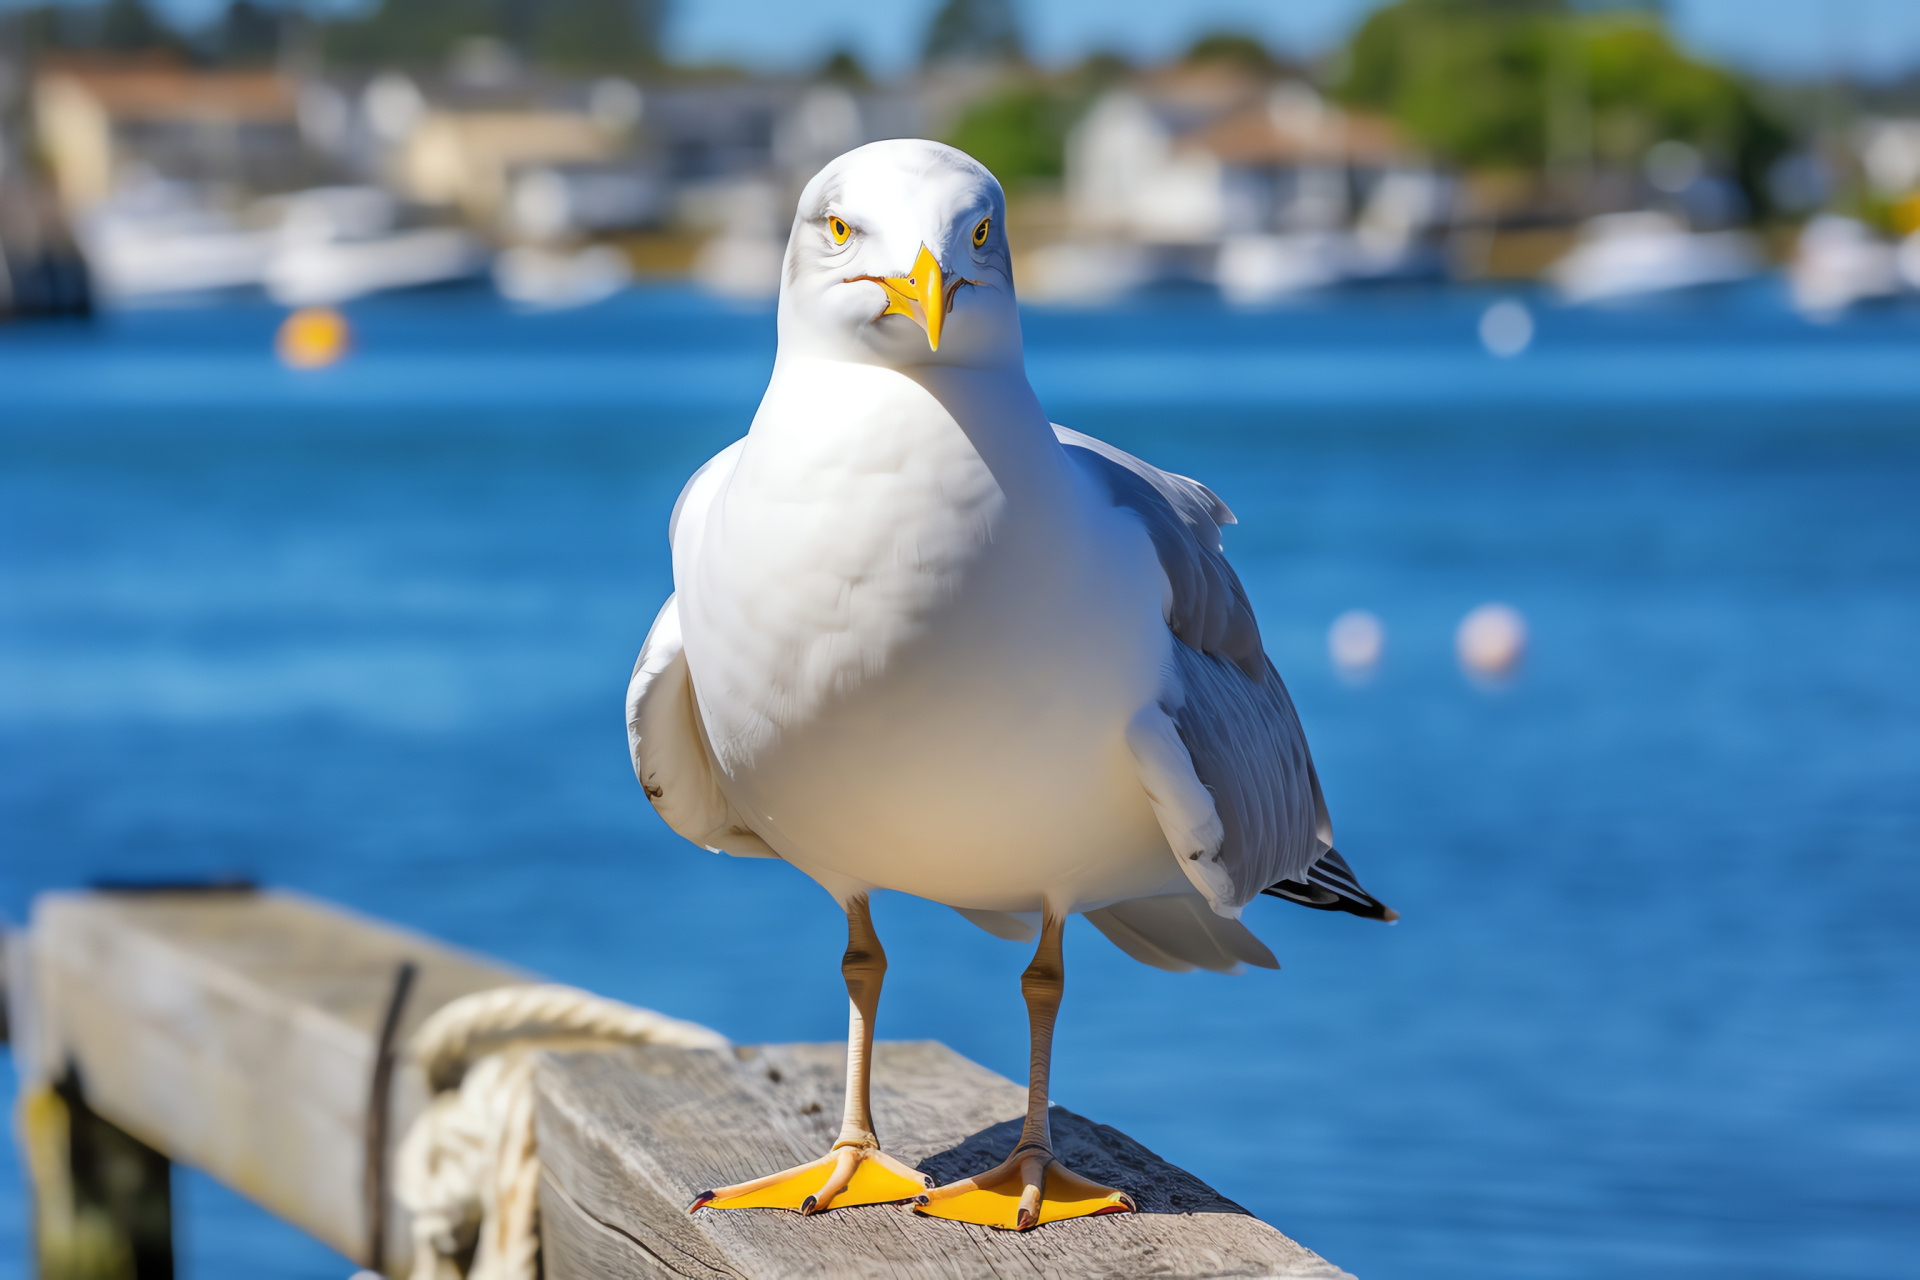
(1654, 1008)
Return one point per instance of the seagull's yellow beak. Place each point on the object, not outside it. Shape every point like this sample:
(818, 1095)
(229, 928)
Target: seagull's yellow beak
(924, 297)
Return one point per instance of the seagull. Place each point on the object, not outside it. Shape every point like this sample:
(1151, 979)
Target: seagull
(922, 639)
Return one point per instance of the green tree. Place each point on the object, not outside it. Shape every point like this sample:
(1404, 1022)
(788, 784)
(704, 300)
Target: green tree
(974, 31)
(1234, 48)
(593, 33)
(128, 26)
(249, 33)
(117, 26)
(1018, 133)
(843, 67)
(1493, 83)
(1642, 90)
(578, 34)
(1465, 77)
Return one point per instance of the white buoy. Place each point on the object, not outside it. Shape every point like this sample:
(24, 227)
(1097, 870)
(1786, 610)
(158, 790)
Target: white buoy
(1491, 641)
(1506, 328)
(1355, 641)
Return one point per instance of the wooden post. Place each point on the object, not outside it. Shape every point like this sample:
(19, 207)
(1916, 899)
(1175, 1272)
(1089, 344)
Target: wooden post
(241, 1033)
(102, 1199)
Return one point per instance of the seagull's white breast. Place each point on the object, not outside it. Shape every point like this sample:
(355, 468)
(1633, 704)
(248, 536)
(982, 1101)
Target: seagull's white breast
(916, 646)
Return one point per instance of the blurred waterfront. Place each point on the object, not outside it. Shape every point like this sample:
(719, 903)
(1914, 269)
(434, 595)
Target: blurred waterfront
(315, 154)
(1652, 1009)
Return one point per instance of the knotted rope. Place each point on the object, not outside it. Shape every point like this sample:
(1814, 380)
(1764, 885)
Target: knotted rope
(467, 1169)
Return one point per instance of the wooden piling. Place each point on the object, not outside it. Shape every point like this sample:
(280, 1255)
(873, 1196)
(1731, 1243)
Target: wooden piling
(102, 1203)
(237, 1032)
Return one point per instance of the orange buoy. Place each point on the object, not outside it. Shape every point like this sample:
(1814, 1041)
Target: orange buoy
(312, 338)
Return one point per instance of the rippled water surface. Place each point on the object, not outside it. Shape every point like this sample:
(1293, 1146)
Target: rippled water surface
(1654, 1008)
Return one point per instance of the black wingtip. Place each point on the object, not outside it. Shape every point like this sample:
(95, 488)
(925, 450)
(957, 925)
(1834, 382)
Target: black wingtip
(1331, 886)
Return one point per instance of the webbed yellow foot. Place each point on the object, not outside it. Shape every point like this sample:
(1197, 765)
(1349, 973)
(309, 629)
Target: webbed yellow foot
(851, 1174)
(1026, 1189)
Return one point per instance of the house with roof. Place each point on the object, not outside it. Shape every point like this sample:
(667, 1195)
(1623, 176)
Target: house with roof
(1259, 187)
(101, 124)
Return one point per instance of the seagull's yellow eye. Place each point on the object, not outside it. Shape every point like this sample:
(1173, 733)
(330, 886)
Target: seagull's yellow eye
(839, 229)
(980, 232)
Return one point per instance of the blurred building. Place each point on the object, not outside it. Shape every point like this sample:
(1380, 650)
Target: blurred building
(1889, 151)
(103, 124)
(543, 158)
(1264, 188)
(542, 172)
(1194, 158)
(514, 154)
(739, 153)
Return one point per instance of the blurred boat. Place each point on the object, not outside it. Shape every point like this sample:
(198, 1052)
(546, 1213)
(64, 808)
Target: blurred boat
(333, 271)
(1256, 269)
(319, 214)
(1840, 261)
(741, 261)
(1908, 260)
(339, 243)
(159, 240)
(552, 280)
(741, 266)
(320, 246)
(1376, 259)
(1624, 255)
(1083, 272)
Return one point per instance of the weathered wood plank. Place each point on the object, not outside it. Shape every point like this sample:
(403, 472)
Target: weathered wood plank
(628, 1138)
(575, 1243)
(237, 1032)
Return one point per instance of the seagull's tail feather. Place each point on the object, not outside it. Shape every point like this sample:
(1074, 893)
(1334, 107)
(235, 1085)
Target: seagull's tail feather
(1180, 932)
(1331, 886)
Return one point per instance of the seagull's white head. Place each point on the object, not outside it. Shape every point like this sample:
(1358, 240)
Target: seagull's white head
(899, 257)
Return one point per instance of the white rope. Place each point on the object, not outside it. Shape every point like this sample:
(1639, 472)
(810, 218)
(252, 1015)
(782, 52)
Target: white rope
(467, 1169)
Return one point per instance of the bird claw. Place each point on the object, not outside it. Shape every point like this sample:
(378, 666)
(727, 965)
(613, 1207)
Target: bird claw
(844, 1178)
(1026, 1190)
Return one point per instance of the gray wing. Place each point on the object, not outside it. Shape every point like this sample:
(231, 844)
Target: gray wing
(1222, 755)
(1183, 517)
